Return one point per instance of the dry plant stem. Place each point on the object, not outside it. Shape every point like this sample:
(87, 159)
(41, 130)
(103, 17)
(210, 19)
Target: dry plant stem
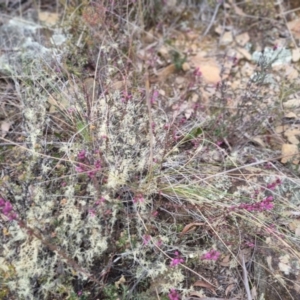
(277, 236)
(245, 278)
(284, 18)
(157, 295)
(212, 19)
(147, 86)
(245, 166)
(37, 153)
(141, 17)
(287, 12)
(211, 227)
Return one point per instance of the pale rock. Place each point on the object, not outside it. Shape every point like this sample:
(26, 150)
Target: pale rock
(219, 29)
(180, 80)
(292, 134)
(293, 139)
(290, 115)
(185, 67)
(294, 28)
(162, 92)
(291, 73)
(296, 55)
(248, 70)
(195, 97)
(48, 18)
(226, 38)
(211, 73)
(293, 103)
(163, 51)
(246, 54)
(191, 35)
(149, 37)
(242, 39)
(194, 48)
(208, 67)
(289, 153)
(281, 128)
(235, 84)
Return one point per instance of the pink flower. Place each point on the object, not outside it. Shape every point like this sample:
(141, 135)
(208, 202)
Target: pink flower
(269, 199)
(2, 202)
(12, 216)
(139, 198)
(81, 155)
(7, 209)
(176, 260)
(97, 164)
(250, 244)
(197, 72)
(101, 200)
(146, 239)
(155, 213)
(80, 168)
(211, 255)
(159, 243)
(173, 295)
(92, 212)
(154, 96)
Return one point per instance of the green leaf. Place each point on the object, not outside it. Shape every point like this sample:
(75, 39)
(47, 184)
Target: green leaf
(194, 133)
(83, 130)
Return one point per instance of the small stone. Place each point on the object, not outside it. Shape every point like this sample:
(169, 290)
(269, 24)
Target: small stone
(293, 103)
(295, 55)
(219, 29)
(291, 73)
(290, 115)
(226, 38)
(195, 97)
(289, 152)
(180, 80)
(242, 39)
(162, 92)
(192, 35)
(186, 67)
(244, 53)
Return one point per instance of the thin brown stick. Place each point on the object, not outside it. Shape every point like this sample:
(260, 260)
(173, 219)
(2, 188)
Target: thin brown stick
(147, 86)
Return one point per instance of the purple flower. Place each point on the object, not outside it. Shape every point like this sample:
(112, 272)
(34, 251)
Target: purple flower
(176, 260)
(211, 255)
(81, 155)
(97, 164)
(2, 202)
(154, 96)
(80, 168)
(92, 212)
(138, 199)
(12, 216)
(146, 239)
(197, 72)
(7, 208)
(173, 295)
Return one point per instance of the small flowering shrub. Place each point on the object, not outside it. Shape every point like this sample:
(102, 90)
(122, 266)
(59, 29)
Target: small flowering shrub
(130, 187)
